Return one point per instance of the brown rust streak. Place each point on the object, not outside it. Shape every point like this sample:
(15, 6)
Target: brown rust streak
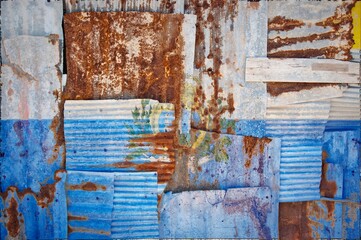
(86, 230)
(13, 224)
(87, 186)
(327, 188)
(253, 146)
(277, 88)
(327, 52)
(280, 23)
(76, 218)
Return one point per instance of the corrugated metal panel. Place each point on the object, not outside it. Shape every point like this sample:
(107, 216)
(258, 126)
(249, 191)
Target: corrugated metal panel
(306, 29)
(301, 150)
(348, 106)
(164, 6)
(235, 213)
(131, 55)
(120, 135)
(135, 211)
(90, 199)
(30, 214)
(221, 161)
(227, 32)
(301, 70)
(31, 138)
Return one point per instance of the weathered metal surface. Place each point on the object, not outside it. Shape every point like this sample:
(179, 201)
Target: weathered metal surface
(163, 6)
(131, 55)
(34, 214)
(304, 29)
(120, 135)
(226, 33)
(300, 164)
(221, 161)
(301, 70)
(347, 106)
(135, 209)
(90, 198)
(235, 213)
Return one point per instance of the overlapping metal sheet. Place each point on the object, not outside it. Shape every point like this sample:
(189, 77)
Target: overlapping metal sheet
(131, 55)
(163, 6)
(120, 135)
(301, 70)
(235, 213)
(135, 209)
(347, 106)
(306, 29)
(226, 33)
(90, 197)
(221, 161)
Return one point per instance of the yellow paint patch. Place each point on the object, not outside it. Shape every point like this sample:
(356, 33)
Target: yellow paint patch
(356, 16)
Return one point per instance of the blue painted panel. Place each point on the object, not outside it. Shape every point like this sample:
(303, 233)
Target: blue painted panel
(29, 154)
(90, 204)
(235, 213)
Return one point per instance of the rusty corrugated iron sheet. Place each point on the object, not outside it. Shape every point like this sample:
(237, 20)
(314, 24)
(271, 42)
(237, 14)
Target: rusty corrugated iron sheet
(227, 32)
(306, 29)
(163, 6)
(120, 135)
(222, 161)
(234, 213)
(131, 55)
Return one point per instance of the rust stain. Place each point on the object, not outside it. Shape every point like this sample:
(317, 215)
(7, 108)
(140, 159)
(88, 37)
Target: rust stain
(125, 55)
(210, 15)
(167, 6)
(87, 230)
(253, 5)
(280, 23)
(77, 218)
(327, 188)
(276, 88)
(87, 186)
(253, 146)
(327, 52)
(13, 224)
(53, 38)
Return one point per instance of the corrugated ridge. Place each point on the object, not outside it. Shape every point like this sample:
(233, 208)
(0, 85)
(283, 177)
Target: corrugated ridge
(301, 151)
(135, 212)
(347, 107)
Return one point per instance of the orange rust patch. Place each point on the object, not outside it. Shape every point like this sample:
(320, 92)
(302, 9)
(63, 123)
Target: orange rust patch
(77, 218)
(279, 23)
(86, 230)
(253, 5)
(277, 88)
(253, 146)
(13, 224)
(87, 186)
(327, 188)
(327, 52)
(53, 38)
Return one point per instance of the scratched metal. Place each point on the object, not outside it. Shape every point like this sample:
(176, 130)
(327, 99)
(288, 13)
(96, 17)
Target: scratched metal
(135, 206)
(28, 214)
(220, 161)
(304, 29)
(163, 6)
(120, 135)
(131, 55)
(234, 213)
(90, 197)
(226, 33)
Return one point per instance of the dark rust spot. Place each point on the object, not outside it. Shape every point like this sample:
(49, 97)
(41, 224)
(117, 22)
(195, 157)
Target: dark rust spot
(13, 224)
(277, 88)
(327, 188)
(87, 186)
(53, 38)
(253, 146)
(77, 218)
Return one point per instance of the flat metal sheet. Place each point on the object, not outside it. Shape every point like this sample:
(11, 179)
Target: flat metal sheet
(220, 161)
(131, 55)
(135, 207)
(120, 135)
(90, 197)
(29, 214)
(301, 70)
(235, 213)
(226, 33)
(308, 29)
